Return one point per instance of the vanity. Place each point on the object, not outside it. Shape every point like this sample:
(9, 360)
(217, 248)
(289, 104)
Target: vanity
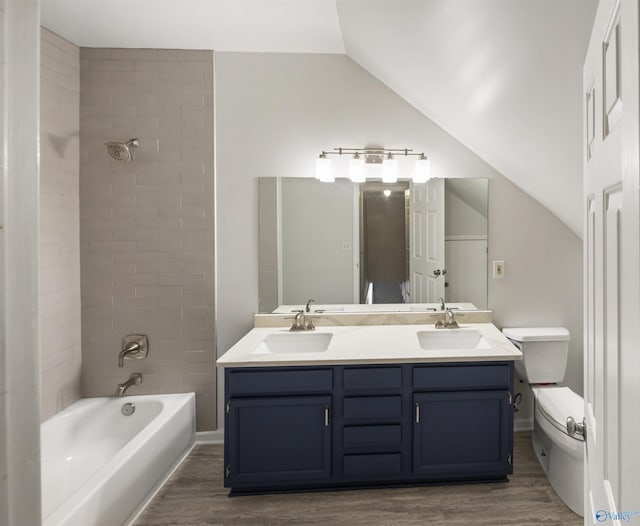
(347, 406)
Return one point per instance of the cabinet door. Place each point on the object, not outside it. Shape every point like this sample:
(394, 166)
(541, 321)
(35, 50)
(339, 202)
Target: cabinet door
(463, 433)
(279, 440)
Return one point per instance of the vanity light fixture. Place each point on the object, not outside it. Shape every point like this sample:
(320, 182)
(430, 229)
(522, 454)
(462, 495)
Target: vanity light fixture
(356, 169)
(323, 169)
(389, 169)
(373, 156)
(422, 169)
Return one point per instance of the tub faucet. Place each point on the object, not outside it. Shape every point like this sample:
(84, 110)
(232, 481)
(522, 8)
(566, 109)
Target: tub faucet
(134, 379)
(130, 348)
(134, 346)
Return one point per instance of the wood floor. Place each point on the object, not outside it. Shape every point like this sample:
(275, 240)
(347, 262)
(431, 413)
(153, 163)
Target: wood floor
(194, 496)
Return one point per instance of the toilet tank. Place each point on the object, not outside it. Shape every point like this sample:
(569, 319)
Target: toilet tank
(544, 352)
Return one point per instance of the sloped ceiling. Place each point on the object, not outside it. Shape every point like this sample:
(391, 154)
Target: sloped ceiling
(502, 76)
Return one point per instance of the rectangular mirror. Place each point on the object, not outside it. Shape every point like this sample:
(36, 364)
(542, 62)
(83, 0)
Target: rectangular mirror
(348, 243)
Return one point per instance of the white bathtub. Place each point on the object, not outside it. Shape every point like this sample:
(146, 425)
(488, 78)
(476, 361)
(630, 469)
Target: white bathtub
(99, 466)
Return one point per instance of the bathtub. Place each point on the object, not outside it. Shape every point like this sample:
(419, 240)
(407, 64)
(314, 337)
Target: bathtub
(99, 466)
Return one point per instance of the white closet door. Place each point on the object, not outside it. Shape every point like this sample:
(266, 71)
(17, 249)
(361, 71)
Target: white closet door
(611, 264)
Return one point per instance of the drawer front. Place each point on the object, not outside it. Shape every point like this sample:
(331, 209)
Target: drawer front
(465, 377)
(285, 381)
(372, 436)
(385, 464)
(372, 408)
(366, 378)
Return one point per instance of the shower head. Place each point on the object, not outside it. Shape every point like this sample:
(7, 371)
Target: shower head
(122, 151)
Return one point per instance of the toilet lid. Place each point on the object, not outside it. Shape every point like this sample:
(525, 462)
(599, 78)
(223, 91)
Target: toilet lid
(559, 403)
(536, 334)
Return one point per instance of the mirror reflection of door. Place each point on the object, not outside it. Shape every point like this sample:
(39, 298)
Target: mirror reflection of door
(426, 248)
(383, 234)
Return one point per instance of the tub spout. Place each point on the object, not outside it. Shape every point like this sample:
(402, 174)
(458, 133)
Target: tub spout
(134, 379)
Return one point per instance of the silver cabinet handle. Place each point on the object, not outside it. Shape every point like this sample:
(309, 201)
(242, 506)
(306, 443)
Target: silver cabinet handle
(417, 413)
(326, 416)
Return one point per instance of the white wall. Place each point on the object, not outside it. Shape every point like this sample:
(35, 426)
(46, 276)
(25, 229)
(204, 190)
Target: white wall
(276, 112)
(20, 401)
(4, 515)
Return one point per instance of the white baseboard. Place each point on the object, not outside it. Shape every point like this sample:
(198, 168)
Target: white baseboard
(210, 437)
(522, 424)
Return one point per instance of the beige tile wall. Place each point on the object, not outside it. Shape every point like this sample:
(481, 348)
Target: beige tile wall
(147, 226)
(60, 340)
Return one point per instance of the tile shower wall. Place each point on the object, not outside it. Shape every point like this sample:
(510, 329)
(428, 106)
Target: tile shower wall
(60, 347)
(147, 226)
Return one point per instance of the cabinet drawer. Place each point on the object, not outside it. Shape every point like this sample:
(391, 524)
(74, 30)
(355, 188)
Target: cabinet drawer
(372, 436)
(366, 465)
(372, 407)
(283, 381)
(363, 378)
(464, 377)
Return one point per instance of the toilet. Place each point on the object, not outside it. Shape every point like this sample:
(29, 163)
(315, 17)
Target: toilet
(559, 449)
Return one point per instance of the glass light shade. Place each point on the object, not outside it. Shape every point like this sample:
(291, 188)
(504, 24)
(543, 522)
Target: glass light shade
(356, 170)
(422, 171)
(323, 170)
(389, 170)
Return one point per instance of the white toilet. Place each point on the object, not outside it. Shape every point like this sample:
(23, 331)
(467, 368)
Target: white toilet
(560, 452)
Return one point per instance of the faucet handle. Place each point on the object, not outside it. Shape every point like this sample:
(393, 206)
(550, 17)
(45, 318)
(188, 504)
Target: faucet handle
(134, 346)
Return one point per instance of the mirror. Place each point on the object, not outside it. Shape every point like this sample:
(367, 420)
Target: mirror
(347, 243)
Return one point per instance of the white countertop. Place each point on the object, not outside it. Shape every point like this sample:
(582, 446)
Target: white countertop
(371, 344)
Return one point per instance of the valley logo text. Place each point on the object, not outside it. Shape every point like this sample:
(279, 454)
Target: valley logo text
(622, 516)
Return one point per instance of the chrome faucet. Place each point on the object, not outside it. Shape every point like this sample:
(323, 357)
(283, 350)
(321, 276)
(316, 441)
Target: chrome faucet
(449, 321)
(302, 323)
(308, 307)
(442, 307)
(134, 379)
(132, 347)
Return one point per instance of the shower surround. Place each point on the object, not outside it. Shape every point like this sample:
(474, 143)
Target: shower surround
(147, 226)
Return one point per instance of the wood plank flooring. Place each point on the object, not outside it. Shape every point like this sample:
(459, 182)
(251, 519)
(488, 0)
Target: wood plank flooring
(194, 496)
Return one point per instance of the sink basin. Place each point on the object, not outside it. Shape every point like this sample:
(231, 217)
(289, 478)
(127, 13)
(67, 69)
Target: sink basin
(294, 343)
(445, 339)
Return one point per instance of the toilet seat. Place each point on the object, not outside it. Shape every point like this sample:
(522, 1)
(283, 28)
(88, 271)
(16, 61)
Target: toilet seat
(556, 404)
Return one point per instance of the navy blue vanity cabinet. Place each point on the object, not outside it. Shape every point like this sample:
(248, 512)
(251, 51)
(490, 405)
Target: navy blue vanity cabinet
(463, 421)
(279, 440)
(461, 434)
(277, 428)
(319, 427)
(371, 424)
